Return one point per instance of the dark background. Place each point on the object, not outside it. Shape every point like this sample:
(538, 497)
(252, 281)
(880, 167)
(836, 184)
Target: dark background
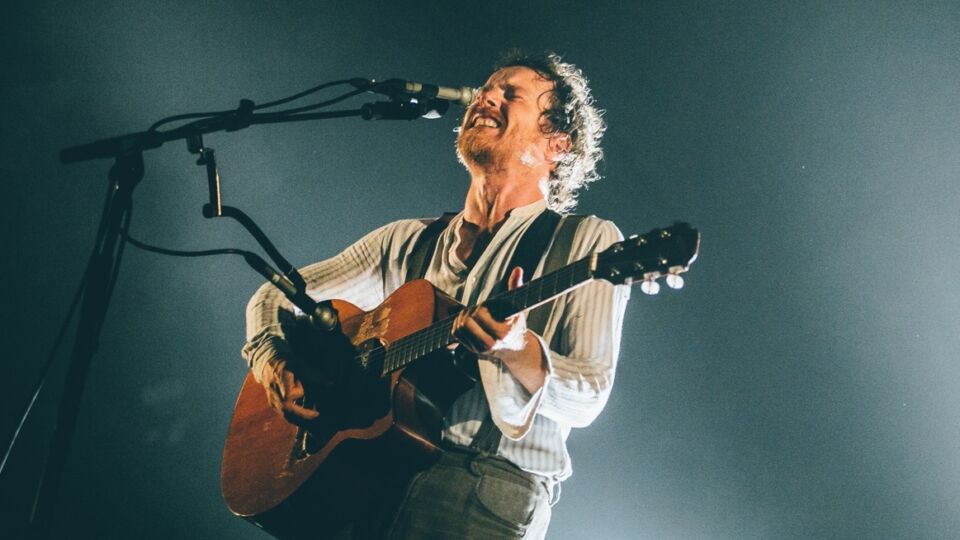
(805, 383)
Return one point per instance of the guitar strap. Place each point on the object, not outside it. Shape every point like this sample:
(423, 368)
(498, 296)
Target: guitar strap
(532, 247)
(556, 259)
(422, 252)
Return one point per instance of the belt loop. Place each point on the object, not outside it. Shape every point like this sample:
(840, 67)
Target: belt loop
(472, 464)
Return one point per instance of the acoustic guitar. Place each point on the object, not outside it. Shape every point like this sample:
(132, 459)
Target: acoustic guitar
(381, 382)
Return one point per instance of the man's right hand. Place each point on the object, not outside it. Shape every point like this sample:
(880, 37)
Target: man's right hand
(285, 393)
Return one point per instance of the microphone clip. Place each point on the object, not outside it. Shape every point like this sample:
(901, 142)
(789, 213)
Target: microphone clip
(408, 100)
(410, 108)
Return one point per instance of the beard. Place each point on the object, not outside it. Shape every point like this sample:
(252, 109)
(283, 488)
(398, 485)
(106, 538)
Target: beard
(474, 149)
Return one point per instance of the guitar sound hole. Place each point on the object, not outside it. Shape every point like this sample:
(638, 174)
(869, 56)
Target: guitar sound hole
(358, 399)
(341, 382)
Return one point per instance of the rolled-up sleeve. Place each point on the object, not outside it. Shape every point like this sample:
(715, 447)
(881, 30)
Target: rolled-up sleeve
(581, 344)
(580, 379)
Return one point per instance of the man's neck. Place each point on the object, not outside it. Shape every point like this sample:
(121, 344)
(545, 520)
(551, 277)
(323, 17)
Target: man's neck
(491, 197)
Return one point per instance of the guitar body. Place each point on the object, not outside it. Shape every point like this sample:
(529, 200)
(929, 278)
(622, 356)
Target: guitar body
(372, 430)
(381, 383)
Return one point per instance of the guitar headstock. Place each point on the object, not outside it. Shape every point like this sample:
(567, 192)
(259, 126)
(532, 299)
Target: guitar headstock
(648, 257)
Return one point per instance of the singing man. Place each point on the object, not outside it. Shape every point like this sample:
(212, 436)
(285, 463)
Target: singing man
(529, 141)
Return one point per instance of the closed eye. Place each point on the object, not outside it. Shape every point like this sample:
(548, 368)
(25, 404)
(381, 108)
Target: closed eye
(510, 92)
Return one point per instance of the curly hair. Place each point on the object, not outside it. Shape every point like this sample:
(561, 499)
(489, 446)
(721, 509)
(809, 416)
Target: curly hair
(571, 111)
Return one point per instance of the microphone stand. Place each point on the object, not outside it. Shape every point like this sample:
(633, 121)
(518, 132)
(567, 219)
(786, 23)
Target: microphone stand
(102, 270)
(101, 273)
(244, 117)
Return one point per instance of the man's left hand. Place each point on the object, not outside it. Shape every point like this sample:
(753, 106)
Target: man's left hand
(509, 340)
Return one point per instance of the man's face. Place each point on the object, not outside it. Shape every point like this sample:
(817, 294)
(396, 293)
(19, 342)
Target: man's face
(504, 125)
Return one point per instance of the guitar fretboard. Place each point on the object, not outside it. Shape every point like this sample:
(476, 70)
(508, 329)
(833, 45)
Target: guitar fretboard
(438, 335)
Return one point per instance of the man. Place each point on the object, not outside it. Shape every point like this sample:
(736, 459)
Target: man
(530, 140)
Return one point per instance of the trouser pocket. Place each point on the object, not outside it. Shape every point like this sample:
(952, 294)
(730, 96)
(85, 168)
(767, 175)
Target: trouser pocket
(507, 495)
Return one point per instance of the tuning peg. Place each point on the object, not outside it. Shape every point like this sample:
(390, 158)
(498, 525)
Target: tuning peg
(650, 286)
(674, 281)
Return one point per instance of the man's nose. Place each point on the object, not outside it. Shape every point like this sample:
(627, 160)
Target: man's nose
(489, 96)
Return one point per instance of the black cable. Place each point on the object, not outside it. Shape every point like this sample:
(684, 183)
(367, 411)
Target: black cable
(291, 286)
(321, 104)
(274, 103)
(305, 93)
(282, 263)
(181, 253)
(124, 227)
(290, 289)
(38, 386)
(195, 123)
(46, 366)
(156, 125)
(204, 123)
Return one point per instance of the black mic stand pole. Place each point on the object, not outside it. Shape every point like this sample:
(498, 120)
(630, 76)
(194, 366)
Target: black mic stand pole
(101, 274)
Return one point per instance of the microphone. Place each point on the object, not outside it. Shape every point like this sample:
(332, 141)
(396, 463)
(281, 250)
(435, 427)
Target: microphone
(322, 314)
(396, 87)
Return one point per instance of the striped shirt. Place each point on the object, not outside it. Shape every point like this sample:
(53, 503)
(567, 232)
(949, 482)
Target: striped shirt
(581, 339)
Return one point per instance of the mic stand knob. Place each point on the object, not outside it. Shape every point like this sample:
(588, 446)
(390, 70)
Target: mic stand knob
(324, 317)
(195, 146)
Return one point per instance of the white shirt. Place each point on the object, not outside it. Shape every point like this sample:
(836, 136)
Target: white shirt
(581, 340)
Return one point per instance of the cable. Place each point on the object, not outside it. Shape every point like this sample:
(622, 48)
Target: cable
(46, 367)
(306, 93)
(274, 103)
(38, 386)
(124, 227)
(321, 104)
(203, 123)
(186, 116)
(181, 253)
(288, 285)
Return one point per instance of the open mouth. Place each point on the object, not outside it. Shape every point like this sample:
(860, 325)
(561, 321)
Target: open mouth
(481, 120)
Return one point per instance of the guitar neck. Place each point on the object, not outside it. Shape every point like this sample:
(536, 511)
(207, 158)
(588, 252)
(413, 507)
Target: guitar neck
(530, 295)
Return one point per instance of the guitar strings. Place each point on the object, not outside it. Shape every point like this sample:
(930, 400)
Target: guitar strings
(413, 346)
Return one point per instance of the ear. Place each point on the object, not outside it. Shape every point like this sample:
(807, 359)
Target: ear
(558, 145)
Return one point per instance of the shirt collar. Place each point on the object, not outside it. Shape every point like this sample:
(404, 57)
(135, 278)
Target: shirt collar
(452, 232)
(520, 212)
(531, 209)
